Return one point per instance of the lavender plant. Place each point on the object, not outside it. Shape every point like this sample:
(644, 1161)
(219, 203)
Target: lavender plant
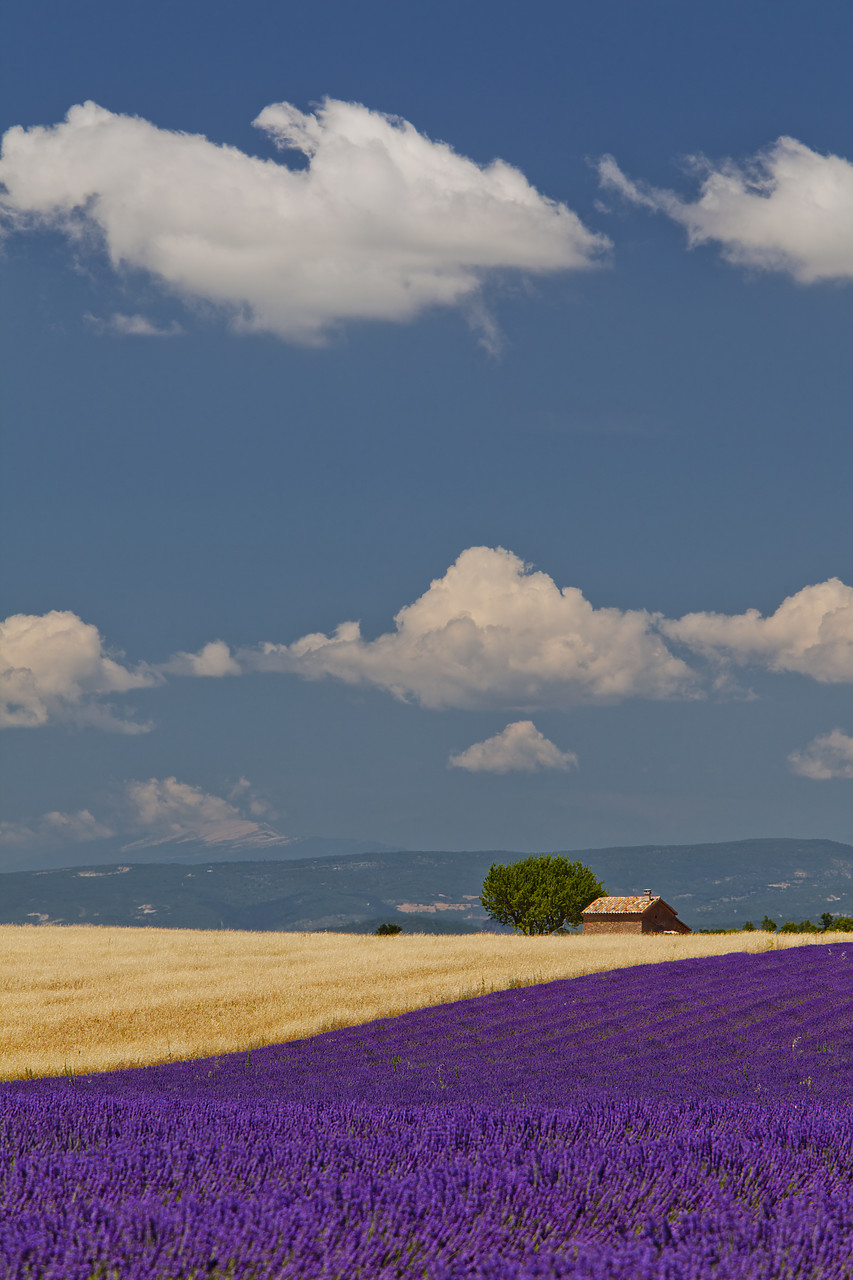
(690, 1120)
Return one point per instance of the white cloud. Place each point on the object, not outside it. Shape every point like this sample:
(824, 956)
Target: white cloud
(829, 756)
(214, 659)
(166, 807)
(787, 209)
(245, 793)
(811, 633)
(154, 811)
(380, 224)
(163, 809)
(519, 748)
(54, 828)
(53, 667)
(135, 326)
(493, 633)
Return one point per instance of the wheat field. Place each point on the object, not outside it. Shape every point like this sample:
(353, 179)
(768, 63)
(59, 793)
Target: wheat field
(88, 998)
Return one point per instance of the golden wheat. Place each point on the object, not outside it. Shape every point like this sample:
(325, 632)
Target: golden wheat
(85, 998)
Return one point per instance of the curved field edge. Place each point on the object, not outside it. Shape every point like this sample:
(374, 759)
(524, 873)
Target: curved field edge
(754, 1027)
(77, 999)
(679, 1121)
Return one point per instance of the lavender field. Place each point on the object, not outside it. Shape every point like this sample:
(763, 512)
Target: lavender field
(691, 1119)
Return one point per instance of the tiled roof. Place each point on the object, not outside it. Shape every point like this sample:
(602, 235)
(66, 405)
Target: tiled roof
(633, 906)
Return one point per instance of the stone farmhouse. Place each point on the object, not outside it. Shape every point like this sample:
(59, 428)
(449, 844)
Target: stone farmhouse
(641, 913)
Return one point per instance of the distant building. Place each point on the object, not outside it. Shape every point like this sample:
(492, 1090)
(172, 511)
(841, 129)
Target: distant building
(642, 913)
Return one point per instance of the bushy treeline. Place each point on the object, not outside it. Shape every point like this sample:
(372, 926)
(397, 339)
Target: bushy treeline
(828, 924)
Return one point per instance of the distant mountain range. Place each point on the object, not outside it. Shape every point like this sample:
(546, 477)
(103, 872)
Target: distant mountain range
(230, 840)
(709, 885)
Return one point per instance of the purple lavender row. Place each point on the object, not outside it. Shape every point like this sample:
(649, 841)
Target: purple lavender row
(145, 1189)
(774, 1025)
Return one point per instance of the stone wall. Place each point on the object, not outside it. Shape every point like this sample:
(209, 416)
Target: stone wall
(613, 924)
(658, 920)
(661, 920)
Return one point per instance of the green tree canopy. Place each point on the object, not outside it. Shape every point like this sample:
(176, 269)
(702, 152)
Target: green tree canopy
(539, 894)
(837, 924)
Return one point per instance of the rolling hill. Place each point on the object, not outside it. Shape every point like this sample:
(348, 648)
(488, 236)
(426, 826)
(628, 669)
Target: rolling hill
(710, 885)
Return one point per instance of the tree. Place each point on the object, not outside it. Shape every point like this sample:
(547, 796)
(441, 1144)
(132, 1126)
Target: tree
(388, 930)
(539, 894)
(768, 925)
(840, 924)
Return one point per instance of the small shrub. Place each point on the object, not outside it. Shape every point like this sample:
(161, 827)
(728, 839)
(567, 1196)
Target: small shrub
(388, 930)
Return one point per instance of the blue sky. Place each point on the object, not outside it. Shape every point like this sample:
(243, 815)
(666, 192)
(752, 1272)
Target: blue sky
(255, 393)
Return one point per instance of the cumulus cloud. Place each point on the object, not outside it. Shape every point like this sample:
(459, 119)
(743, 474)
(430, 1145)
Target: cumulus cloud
(811, 633)
(163, 809)
(167, 807)
(787, 209)
(380, 223)
(828, 756)
(244, 793)
(153, 811)
(54, 828)
(492, 632)
(54, 668)
(519, 748)
(214, 659)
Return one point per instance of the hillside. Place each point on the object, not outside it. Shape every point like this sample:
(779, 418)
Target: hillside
(710, 885)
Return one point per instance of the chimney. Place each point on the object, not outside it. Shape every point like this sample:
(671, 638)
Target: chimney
(648, 894)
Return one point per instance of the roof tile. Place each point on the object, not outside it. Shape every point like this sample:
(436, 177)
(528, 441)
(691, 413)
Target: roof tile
(631, 906)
